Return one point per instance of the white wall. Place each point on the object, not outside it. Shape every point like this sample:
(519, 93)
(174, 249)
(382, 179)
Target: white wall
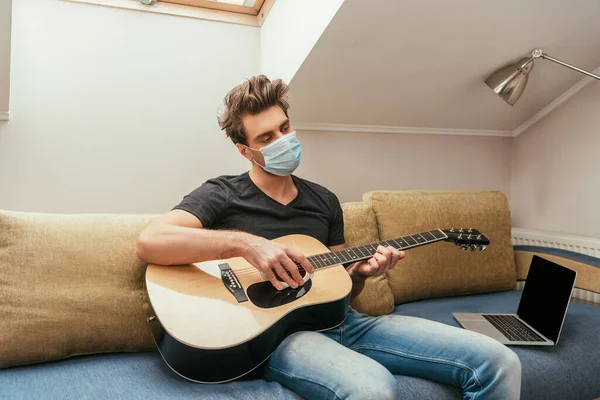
(350, 164)
(5, 13)
(555, 182)
(115, 110)
(290, 32)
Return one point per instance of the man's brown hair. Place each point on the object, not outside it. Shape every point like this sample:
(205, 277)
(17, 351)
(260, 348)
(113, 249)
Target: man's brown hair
(252, 97)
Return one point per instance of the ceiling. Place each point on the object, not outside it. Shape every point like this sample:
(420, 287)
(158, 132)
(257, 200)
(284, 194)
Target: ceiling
(422, 63)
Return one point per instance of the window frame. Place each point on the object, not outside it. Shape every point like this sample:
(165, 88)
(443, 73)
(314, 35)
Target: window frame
(188, 11)
(214, 5)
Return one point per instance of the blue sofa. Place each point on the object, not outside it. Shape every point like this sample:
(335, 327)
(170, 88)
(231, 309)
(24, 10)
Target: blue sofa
(72, 299)
(570, 370)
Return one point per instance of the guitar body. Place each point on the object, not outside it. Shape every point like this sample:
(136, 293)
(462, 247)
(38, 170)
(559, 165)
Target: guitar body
(207, 332)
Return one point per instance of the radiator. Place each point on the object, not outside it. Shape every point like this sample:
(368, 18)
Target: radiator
(577, 244)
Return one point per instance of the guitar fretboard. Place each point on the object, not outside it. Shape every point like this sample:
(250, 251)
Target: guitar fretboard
(358, 253)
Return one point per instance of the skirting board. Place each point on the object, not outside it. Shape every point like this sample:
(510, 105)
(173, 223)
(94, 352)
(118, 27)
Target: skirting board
(577, 244)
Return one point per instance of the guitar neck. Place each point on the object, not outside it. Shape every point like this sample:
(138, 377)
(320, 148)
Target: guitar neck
(358, 253)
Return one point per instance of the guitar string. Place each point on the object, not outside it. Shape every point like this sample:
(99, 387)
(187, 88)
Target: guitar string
(244, 271)
(252, 270)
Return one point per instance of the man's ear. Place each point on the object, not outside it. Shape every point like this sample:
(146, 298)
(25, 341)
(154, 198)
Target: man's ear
(244, 152)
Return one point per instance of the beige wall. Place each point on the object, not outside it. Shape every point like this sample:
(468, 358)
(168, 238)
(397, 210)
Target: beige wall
(555, 169)
(352, 163)
(115, 110)
(5, 13)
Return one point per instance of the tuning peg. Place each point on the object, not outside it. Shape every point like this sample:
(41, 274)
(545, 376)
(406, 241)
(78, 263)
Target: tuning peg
(482, 247)
(463, 247)
(473, 247)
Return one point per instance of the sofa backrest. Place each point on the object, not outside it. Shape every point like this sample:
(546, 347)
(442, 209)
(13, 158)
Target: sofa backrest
(440, 269)
(70, 285)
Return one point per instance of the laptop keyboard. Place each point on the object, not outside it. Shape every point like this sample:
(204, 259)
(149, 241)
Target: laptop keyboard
(512, 328)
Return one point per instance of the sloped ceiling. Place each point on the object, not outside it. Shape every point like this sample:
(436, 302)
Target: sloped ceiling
(422, 63)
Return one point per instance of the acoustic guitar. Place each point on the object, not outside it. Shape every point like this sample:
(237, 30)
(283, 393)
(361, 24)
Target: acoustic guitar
(214, 322)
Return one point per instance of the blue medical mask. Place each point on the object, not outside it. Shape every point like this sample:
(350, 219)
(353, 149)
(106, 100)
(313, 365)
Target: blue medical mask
(282, 157)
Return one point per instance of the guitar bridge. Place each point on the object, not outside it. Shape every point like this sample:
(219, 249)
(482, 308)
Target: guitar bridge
(232, 283)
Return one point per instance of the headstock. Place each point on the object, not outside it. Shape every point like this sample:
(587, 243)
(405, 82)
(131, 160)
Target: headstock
(467, 238)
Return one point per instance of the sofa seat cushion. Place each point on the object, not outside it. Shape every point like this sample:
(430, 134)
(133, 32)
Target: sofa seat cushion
(145, 376)
(569, 370)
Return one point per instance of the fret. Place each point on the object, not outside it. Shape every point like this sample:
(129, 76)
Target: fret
(409, 240)
(401, 242)
(315, 262)
(353, 256)
(343, 257)
(362, 253)
(326, 259)
(372, 249)
(392, 243)
(320, 261)
(336, 259)
(428, 236)
(418, 238)
(438, 234)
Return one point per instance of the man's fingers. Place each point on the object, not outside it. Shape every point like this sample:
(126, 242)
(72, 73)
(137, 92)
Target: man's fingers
(380, 258)
(273, 279)
(373, 267)
(292, 269)
(385, 251)
(396, 256)
(284, 275)
(301, 258)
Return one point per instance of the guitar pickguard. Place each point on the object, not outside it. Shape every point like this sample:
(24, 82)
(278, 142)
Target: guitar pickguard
(264, 295)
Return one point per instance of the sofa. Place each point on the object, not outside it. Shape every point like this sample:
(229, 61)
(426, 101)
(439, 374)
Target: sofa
(72, 300)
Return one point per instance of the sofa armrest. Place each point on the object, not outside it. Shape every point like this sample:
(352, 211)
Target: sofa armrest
(587, 284)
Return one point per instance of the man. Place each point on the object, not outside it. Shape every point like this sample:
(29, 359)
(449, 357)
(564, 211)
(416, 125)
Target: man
(233, 216)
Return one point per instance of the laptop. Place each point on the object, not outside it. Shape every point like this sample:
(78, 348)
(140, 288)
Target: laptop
(541, 312)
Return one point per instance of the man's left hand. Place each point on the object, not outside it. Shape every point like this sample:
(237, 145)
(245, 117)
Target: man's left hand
(385, 259)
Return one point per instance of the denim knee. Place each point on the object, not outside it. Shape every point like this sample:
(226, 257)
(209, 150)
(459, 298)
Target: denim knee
(367, 387)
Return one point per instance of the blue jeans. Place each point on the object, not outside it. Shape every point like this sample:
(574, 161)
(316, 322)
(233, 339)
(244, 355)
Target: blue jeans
(357, 360)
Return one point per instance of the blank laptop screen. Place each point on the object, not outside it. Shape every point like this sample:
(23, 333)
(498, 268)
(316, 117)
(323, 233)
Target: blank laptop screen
(546, 296)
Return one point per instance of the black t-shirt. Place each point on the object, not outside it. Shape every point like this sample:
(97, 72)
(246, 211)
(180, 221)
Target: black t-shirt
(236, 203)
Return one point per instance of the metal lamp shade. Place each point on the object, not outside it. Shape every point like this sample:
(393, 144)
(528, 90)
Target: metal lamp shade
(510, 81)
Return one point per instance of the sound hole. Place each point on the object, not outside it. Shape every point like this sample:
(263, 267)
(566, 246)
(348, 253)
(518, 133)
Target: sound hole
(264, 295)
(301, 271)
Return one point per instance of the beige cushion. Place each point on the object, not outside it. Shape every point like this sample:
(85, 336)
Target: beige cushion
(360, 227)
(69, 285)
(441, 269)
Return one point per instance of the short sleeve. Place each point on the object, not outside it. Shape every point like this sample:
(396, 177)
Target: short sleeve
(336, 224)
(208, 203)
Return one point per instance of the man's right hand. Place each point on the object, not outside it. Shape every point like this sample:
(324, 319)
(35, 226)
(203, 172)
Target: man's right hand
(267, 256)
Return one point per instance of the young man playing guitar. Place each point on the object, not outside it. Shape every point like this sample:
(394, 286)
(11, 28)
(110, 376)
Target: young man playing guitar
(237, 216)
